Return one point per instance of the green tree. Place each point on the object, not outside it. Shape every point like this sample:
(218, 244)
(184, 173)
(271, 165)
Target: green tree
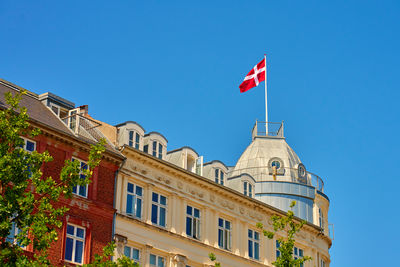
(213, 258)
(288, 225)
(27, 197)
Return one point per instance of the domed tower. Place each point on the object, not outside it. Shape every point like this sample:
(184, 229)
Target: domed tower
(280, 176)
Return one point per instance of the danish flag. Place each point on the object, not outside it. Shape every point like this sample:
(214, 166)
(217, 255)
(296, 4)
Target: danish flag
(254, 77)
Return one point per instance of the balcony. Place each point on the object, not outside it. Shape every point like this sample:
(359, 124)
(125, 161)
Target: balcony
(270, 129)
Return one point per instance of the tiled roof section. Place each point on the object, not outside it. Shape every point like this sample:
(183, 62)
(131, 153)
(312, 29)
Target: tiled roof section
(38, 112)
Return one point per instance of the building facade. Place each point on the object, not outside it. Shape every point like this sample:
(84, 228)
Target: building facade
(87, 226)
(173, 209)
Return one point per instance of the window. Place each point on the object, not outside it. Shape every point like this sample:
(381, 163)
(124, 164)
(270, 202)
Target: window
(12, 237)
(157, 261)
(134, 139)
(130, 140)
(29, 145)
(74, 244)
(278, 252)
(254, 245)
(321, 219)
(224, 234)
(132, 253)
(146, 148)
(219, 176)
(276, 164)
(247, 189)
(157, 149)
(298, 253)
(55, 108)
(323, 263)
(134, 195)
(81, 190)
(193, 222)
(158, 209)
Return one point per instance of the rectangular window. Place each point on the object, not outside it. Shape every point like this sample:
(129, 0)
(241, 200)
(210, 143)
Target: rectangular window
(323, 263)
(55, 108)
(74, 244)
(245, 188)
(160, 151)
(29, 145)
(154, 149)
(278, 252)
(146, 148)
(224, 234)
(219, 176)
(130, 140)
(158, 209)
(250, 190)
(298, 253)
(321, 219)
(12, 237)
(193, 222)
(132, 253)
(81, 190)
(157, 261)
(134, 200)
(137, 141)
(254, 244)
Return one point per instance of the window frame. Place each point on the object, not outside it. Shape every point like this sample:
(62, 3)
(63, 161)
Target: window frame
(158, 205)
(79, 186)
(219, 176)
(26, 140)
(254, 244)
(195, 222)
(135, 198)
(226, 242)
(131, 248)
(157, 257)
(75, 238)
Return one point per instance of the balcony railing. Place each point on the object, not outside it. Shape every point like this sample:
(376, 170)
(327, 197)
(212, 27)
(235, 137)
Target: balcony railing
(284, 174)
(262, 128)
(83, 126)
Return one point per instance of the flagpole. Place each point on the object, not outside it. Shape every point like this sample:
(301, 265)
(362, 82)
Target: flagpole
(266, 102)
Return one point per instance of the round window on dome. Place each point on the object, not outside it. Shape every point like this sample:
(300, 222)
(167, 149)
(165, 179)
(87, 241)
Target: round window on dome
(276, 164)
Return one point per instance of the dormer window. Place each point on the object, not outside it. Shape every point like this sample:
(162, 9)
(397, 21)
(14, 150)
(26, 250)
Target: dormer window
(134, 139)
(55, 108)
(157, 149)
(219, 176)
(248, 189)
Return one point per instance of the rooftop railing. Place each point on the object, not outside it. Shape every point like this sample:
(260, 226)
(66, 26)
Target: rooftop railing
(284, 174)
(84, 126)
(262, 128)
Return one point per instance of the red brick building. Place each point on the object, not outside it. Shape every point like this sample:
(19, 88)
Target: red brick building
(66, 133)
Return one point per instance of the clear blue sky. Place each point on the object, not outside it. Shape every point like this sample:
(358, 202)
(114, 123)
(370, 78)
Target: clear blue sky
(175, 67)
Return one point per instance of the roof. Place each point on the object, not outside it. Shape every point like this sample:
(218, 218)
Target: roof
(39, 113)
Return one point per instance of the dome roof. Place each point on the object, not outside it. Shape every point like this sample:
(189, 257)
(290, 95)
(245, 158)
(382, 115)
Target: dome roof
(256, 160)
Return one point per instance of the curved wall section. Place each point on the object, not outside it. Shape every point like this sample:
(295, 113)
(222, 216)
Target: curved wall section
(281, 194)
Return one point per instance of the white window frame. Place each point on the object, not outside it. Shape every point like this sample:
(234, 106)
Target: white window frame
(80, 173)
(219, 176)
(297, 254)
(157, 151)
(248, 189)
(26, 140)
(157, 257)
(130, 253)
(195, 222)
(159, 206)
(252, 241)
(226, 234)
(56, 106)
(75, 238)
(323, 263)
(135, 198)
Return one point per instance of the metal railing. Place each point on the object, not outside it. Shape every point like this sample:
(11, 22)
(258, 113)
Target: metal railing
(262, 128)
(284, 174)
(83, 126)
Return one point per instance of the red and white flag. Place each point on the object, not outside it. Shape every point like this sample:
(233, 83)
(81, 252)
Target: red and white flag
(254, 77)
